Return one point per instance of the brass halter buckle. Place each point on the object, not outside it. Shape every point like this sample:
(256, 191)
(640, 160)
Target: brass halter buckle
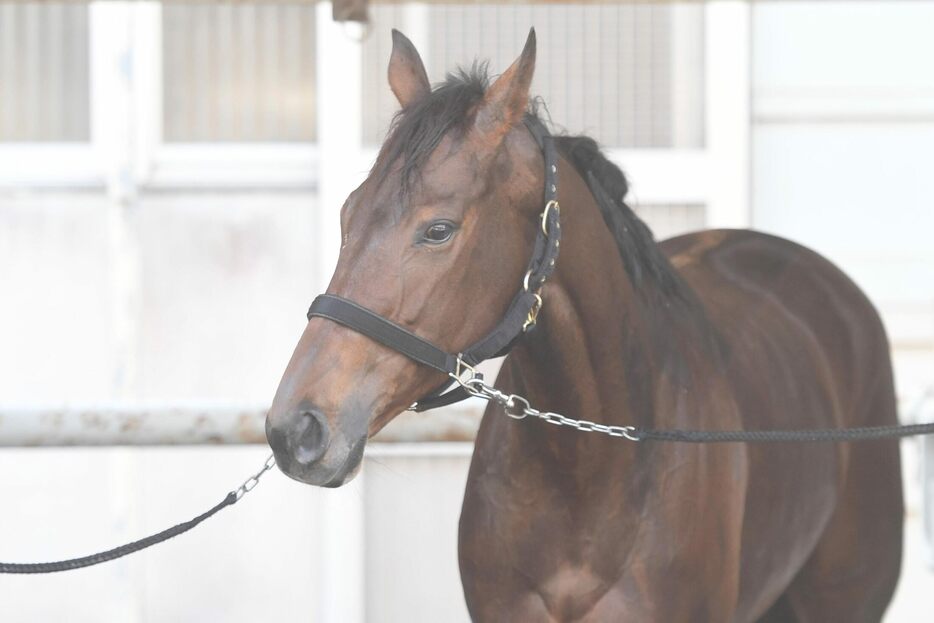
(551, 205)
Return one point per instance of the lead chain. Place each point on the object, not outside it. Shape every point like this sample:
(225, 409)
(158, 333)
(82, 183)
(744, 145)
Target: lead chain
(253, 480)
(518, 408)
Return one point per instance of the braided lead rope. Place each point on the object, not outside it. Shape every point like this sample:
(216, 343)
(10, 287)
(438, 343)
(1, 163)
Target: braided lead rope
(124, 550)
(862, 433)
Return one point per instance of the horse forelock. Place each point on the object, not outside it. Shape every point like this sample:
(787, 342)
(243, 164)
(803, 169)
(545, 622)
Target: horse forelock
(418, 129)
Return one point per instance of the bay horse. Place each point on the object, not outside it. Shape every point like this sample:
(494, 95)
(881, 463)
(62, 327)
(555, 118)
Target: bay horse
(722, 329)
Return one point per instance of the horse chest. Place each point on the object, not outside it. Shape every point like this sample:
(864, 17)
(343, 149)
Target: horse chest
(539, 559)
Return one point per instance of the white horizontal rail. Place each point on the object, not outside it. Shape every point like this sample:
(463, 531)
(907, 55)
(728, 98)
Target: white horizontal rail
(51, 165)
(843, 105)
(218, 166)
(136, 425)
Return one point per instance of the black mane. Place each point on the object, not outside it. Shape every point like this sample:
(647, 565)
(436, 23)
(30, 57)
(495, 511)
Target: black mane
(417, 131)
(642, 258)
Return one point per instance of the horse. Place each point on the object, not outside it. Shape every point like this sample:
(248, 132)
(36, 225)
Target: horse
(721, 329)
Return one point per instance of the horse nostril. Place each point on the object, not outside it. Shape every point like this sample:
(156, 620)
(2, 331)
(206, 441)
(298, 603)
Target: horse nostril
(313, 438)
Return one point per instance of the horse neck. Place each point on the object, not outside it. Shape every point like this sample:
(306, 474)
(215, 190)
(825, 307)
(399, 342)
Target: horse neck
(593, 354)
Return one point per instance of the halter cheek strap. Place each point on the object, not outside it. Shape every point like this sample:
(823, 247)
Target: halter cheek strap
(519, 318)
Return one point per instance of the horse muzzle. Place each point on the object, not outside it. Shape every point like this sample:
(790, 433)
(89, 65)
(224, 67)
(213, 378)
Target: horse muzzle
(310, 451)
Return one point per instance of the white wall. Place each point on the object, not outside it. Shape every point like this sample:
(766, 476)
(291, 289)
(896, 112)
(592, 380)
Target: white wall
(843, 141)
(216, 285)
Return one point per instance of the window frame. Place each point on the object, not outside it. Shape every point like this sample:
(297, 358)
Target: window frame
(126, 152)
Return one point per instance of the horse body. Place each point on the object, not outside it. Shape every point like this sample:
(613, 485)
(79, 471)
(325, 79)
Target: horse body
(716, 330)
(560, 525)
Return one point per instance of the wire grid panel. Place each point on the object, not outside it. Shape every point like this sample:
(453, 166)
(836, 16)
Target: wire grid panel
(379, 104)
(239, 73)
(44, 73)
(629, 75)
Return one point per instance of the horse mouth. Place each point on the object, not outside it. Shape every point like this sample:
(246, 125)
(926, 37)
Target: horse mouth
(321, 474)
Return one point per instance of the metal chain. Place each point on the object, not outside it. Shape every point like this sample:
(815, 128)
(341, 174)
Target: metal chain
(250, 483)
(518, 408)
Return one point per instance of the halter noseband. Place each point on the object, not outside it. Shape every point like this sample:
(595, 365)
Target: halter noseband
(519, 318)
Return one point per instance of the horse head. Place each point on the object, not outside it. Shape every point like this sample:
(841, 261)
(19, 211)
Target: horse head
(436, 240)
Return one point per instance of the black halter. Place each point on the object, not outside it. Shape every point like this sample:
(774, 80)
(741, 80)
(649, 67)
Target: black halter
(520, 317)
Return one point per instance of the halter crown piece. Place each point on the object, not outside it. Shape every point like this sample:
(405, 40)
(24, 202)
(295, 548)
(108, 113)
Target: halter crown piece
(519, 318)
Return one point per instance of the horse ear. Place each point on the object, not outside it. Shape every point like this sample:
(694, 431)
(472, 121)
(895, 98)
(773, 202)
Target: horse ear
(507, 100)
(407, 76)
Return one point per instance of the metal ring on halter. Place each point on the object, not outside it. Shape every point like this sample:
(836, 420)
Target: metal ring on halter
(548, 207)
(464, 367)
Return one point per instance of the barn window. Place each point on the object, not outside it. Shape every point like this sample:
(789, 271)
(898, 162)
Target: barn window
(44, 73)
(238, 73)
(646, 60)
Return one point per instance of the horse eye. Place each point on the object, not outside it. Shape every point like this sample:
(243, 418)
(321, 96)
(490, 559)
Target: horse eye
(438, 232)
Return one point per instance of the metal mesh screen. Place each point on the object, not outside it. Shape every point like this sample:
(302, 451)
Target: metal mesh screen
(44, 69)
(629, 75)
(238, 73)
(379, 104)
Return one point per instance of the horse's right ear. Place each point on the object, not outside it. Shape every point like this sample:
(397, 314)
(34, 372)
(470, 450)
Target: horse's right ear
(507, 99)
(407, 76)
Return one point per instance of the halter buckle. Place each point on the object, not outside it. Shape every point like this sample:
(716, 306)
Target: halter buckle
(551, 205)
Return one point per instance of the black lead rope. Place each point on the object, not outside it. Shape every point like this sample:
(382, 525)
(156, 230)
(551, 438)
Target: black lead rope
(117, 552)
(826, 435)
(131, 548)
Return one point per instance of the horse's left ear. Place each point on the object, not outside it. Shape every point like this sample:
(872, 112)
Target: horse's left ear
(507, 99)
(407, 76)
